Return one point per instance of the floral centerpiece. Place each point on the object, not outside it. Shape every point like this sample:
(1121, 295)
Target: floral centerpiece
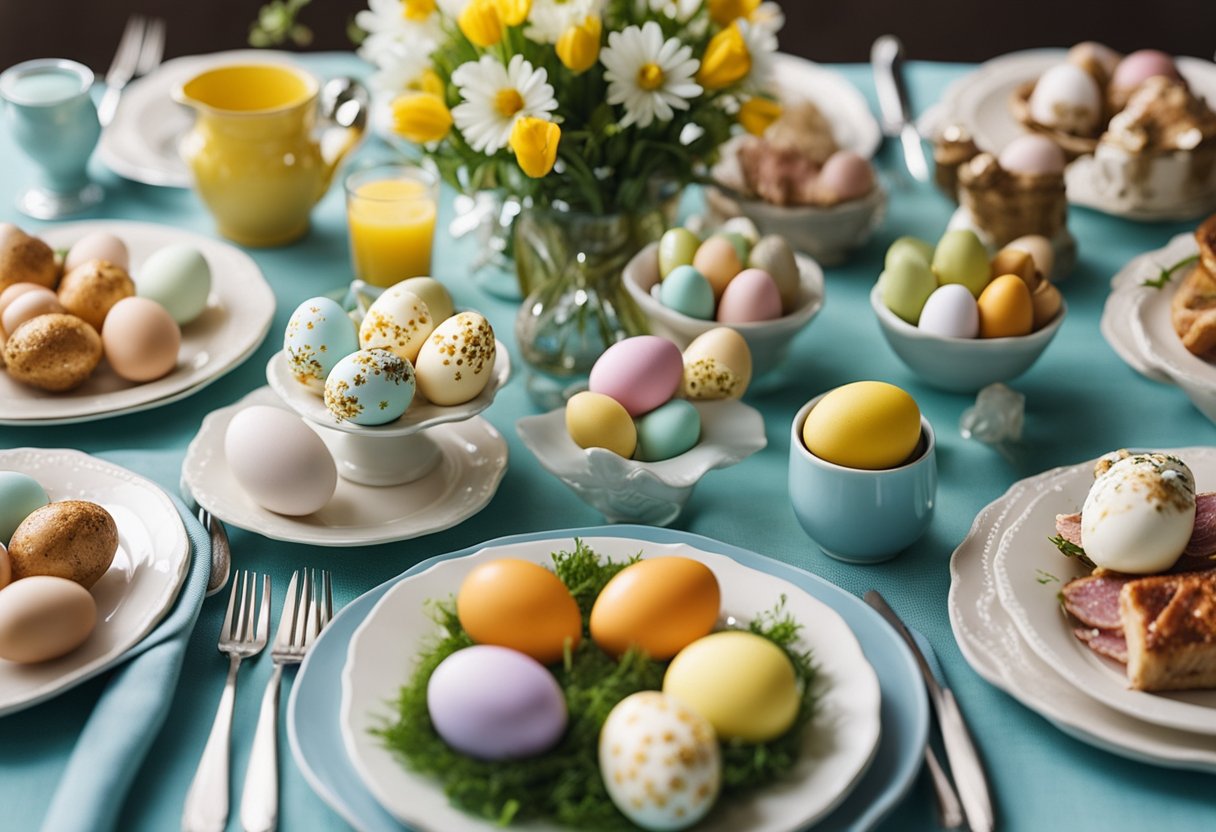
(593, 114)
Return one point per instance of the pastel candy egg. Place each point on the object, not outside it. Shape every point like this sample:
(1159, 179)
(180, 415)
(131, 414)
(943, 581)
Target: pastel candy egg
(951, 312)
(775, 256)
(594, 420)
(719, 260)
(457, 360)
(1032, 154)
(744, 227)
(641, 373)
(717, 365)
(660, 605)
(913, 245)
(399, 321)
(279, 461)
(845, 176)
(1006, 308)
(319, 334)
(369, 387)
(178, 278)
(1067, 98)
(677, 247)
(521, 605)
(494, 703)
(667, 431)
(1139, 66)
(740, 242)
(960, 257)
(752, 296)
(869, 425)
(99, 245)
(20, 496)
(688, 292)
(654, 788)
(905, 284)
(434, 294)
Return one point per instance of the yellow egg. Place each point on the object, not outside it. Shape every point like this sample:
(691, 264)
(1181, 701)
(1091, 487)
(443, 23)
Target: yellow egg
(1006, 309)
(660, 605)
(522, 605)
(741, 682)
(719, 262)
(594, 420)
(717, 365)
(866, 424)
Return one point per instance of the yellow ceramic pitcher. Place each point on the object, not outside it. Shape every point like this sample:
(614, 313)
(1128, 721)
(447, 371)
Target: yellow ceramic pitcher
(257, 161)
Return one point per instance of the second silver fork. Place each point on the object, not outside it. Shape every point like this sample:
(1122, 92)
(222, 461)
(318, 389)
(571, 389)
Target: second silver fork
(305, 613)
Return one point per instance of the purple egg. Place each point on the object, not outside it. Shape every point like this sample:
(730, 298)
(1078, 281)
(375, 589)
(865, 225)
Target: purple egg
(752, 296)
(494, 703)
(641, 373)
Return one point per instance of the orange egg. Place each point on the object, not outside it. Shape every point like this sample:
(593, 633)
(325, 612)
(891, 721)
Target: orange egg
(1006, 308)
(522, 605)
(718, 260)
(661, 605)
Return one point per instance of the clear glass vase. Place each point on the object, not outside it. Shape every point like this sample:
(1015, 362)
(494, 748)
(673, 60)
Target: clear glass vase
(569, 266)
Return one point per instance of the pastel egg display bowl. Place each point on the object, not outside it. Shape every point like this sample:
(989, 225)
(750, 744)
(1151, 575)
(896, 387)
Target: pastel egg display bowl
(962, 365)
(650, 493)
(769, 341)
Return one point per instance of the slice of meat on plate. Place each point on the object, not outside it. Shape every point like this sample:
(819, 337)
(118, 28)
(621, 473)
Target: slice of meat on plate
(1094, 600)
(1109, 643)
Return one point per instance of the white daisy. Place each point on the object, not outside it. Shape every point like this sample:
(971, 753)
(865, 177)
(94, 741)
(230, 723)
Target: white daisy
(548, 19)
(653, 78)
(401, 65)
(496, 96)
(394, 24)
(769, 16)
(761, 45)
(680, 10)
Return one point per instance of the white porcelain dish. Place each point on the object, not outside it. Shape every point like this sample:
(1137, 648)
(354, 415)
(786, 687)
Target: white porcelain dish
(132, 596)
(980, 102)
(473, 459)
(993, 646)
(837, 748)
(238, 316)
(141, 143)
(1024, 557)
(652, 493)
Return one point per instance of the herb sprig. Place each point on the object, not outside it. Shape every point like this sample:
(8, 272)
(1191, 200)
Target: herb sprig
(1167, 273)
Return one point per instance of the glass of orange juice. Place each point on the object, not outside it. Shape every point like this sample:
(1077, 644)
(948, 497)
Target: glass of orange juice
(391, 212)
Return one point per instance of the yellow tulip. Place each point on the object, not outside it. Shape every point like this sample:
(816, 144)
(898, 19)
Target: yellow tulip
(418, 11)
(579, 46)
(421, 117)
(726, 60)
(534, 141)
(514, 12)
(428, 81)
(758, 114)
(481, 23)
(726, 12)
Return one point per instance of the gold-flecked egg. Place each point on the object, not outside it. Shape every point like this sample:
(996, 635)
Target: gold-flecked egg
(54, 352)
(456, 360)
(717, 365)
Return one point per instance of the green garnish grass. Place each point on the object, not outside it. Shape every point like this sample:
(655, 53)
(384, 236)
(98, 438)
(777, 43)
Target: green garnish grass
(1166, 273)
(1071, 550)
(564, 784)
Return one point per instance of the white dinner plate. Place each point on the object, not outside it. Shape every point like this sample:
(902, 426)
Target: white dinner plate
(141, 143)
(995, 649)
(979, 101)
(473, 459)
(137, 590)
(836, 750)
(238, 316)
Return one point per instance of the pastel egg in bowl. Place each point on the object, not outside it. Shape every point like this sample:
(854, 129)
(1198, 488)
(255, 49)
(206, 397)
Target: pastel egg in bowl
(962, 365)
(769, 341)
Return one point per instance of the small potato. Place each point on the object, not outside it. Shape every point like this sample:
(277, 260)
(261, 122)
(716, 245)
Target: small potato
(72, 539)
(25, 259)
(54, 352)
(89, 290)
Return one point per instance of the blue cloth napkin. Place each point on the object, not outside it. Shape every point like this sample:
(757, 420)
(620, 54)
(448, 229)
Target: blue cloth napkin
(132, 708)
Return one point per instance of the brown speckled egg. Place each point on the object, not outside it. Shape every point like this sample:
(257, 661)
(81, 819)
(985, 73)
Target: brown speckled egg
(72, 539)
(457, 360)
(717, 365)
(55, 352)
(141, 339)
(89, 290)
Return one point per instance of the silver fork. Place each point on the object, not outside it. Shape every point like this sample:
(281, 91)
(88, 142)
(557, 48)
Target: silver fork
(304, 615)
(139, 52)
(206, 808)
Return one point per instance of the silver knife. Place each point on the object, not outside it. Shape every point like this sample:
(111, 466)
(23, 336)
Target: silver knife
(965, 762)
(887, 56)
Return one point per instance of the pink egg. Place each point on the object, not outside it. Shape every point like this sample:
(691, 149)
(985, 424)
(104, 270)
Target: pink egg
(140, 339)
(27, 305)
(1142, 65)
(1032, 154)
(846, 175)
(750, 297)
(641, 372)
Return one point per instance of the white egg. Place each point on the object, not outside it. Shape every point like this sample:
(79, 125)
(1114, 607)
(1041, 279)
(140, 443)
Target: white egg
(283, 466)
(457, 360)
(1139, 514)
(398, 321)
(97, 246)
(660, 761)
(951, 312)
(434, 294)
(1067, 98)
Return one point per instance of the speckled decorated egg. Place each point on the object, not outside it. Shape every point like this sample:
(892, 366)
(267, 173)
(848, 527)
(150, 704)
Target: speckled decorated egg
(319, 335)
(717, 365)
(457, 360)
(434, 294)
(370, 387)
(398, 320)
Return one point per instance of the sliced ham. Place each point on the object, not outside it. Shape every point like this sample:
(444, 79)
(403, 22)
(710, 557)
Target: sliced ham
(1109, 643)
(1068, 526)
(1094, 600)
(1203, 538)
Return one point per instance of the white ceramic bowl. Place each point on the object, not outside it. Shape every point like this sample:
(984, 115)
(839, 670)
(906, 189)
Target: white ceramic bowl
(769, 341)
(828, 234)
(962, 365)
(651, 493)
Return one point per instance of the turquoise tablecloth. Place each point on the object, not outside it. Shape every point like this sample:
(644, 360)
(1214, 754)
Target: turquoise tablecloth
(1081, 401)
